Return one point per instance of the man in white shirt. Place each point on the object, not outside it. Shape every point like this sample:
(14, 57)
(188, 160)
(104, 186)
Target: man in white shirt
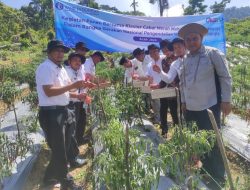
(154, 77)
(129, 69)
(90, 64)
(53, 86)
(140, 65)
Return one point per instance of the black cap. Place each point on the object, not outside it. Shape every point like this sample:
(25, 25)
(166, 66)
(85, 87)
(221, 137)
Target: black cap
(164, 43)
(74, 54)
(138, 51)
(123, 60)
(81, 45)
(177, 40)
(56, 44)
(98, 53)
(153, 46)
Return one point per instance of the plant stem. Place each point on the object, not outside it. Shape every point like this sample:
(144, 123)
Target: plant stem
(18, 129)
(127, 157)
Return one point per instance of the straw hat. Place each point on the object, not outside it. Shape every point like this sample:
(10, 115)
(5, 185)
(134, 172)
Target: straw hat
(192, 28)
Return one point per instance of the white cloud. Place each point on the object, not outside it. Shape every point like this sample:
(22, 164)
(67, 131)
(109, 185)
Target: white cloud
(175, 10)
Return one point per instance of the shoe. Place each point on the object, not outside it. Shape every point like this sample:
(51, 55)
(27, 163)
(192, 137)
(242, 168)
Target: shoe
(70, 185)
(78, 162)
(49, 182)
(164, 132)
(83, 140)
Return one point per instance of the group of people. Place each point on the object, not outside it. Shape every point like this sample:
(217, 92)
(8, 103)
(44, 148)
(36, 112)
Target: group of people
(199, 72)
(62, 92)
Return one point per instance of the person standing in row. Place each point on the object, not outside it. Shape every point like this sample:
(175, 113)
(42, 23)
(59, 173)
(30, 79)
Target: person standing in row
(75, 74)
(81, 49)
(200, 89)
(90, 64)
(166, 103)
(154, 78)
(53, 86)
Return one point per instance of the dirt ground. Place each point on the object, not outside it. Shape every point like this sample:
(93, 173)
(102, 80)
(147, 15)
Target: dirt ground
(82, 176)
(239, 167)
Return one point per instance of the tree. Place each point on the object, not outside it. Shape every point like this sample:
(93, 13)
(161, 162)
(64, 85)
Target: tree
(108, 8)
(195, 7)
(89, 3)
(134, 5)
(39, 13)
(163, 4)
(219, 7)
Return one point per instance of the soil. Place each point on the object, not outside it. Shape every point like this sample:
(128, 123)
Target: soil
(239, 168)
(82, 176)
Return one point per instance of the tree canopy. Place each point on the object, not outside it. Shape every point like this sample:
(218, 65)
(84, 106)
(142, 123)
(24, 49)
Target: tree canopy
(195, 7)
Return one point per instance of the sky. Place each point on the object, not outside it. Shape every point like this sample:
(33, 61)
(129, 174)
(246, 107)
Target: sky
(144, 5)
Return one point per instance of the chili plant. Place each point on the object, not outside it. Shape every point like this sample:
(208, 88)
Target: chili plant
(183, 149)
(144, 165)
(9, 93)
(10, 150)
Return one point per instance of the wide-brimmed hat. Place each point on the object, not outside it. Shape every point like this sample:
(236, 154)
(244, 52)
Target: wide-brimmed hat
(98, 53)
(138, 51)
(74, 54)
(56, 44)
(81, 45)
(192, 28)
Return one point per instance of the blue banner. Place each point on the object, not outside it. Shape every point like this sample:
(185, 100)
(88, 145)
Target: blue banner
(112, 32)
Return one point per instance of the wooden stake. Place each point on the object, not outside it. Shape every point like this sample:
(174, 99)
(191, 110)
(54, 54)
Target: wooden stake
(221, 147)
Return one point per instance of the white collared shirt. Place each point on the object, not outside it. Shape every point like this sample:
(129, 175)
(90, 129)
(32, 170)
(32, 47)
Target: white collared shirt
(128, 75)
(156, 76)
(175, 70)
(48, 73)
(89, 66)
(138, 69)
(75, 75)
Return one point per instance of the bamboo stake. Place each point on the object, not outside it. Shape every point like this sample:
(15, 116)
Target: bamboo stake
(221, 147)
(178, 105)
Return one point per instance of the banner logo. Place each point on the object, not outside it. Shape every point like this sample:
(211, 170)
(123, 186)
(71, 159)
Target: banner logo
(59, 6)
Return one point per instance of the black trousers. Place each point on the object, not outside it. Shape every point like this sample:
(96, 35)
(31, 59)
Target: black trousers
(166, 103)
(213, 162)
(57, 126)
(80, 117)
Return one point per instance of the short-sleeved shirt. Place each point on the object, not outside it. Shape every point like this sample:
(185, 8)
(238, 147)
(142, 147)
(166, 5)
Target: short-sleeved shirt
(166, 64)
(89, 66)
(138, 67)
(128, 75)
(156, 76)
(75, 75)
(197, 80)
(174, 70)
(48, 73)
